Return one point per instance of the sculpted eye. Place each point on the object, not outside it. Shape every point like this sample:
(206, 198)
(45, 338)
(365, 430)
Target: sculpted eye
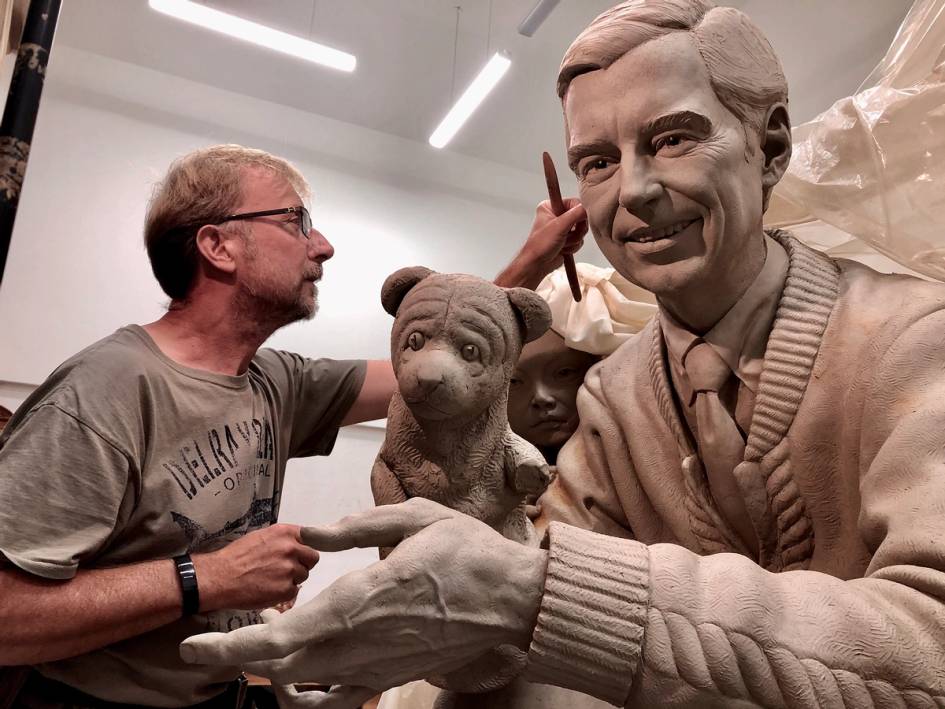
(470, 353)
(415, 341)
(595, 164)
(672, 142)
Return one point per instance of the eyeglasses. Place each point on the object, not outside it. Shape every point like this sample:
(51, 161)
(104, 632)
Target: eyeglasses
(305, 219)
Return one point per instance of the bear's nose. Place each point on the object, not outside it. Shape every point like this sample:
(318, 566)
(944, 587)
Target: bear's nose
(429, 375)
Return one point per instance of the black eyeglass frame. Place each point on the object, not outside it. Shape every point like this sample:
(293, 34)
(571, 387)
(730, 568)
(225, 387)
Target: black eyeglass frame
(305, 219)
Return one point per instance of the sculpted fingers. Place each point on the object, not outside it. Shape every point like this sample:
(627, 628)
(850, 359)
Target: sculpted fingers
(340, 697)
(384, 526)
(256, 642)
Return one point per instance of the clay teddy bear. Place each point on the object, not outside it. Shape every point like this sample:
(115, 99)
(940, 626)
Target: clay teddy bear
(454, 345)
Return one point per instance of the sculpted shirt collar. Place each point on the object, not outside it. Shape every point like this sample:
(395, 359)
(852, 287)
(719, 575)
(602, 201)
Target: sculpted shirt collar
(741, 336)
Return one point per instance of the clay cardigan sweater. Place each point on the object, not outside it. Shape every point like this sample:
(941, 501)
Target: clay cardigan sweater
(844, 481)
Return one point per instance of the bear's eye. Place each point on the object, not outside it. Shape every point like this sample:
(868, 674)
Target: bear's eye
(415, 341)
(470, 353)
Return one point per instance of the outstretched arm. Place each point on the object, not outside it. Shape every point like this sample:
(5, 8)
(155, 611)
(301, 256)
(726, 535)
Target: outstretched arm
(376, 392)
(542, 251)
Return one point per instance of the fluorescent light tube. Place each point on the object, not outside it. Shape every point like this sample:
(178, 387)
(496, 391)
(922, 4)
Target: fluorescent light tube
(494, 70)
(538, 15)
(255, 33)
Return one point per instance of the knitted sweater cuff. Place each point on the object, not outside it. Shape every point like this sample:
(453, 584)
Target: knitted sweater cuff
(589, 634)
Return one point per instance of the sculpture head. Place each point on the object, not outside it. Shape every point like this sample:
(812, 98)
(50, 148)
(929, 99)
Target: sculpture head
(456, 339)
(543, 390)
(677, 127)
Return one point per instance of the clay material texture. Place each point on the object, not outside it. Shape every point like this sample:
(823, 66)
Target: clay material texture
(454, 345)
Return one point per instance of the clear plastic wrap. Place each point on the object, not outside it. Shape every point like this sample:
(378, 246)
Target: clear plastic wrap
(871, 169)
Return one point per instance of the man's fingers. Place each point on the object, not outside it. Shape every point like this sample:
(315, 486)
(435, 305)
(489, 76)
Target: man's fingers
(308, 557)
(256, 642)
(384, 526)
(572, 216)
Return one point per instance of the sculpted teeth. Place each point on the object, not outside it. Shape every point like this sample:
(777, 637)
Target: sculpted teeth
(663, 233)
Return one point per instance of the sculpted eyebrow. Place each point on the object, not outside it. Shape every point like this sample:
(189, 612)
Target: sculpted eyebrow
(578, 152)
(682, 119)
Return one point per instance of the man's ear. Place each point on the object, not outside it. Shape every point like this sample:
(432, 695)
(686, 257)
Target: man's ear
(775, 147)
(532, 311)
(215, 246)
(398, 284)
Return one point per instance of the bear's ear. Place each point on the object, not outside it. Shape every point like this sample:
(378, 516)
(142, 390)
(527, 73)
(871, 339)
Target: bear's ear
(532, 310)
(398, 284)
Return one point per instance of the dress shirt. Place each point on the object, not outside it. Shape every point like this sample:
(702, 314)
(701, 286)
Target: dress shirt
(740, 338)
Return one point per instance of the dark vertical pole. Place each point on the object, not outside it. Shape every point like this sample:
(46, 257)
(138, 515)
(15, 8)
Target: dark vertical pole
(19, 116)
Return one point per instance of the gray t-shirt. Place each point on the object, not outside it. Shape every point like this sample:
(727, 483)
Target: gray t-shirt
(122, 456)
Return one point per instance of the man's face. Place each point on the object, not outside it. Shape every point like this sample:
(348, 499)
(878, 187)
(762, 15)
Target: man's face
(278, 274)
(543, 390)
(672, 195)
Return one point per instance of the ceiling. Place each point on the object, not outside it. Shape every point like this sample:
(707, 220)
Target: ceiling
(405, 49)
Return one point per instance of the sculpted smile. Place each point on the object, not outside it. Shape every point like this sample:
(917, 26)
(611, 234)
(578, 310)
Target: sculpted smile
(647, 234)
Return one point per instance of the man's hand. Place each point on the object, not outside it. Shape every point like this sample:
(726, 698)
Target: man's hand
(549, 239)
(452, 590)
(258, 570)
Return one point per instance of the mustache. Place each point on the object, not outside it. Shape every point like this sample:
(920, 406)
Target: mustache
(315, 274)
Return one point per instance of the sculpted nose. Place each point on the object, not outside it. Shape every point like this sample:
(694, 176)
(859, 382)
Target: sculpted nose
(639, 189)
(543, 399)
(429, 375)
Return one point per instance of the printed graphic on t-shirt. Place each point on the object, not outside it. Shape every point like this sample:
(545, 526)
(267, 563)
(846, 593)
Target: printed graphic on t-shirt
(259, 514)
(226, 477)
(213, 461)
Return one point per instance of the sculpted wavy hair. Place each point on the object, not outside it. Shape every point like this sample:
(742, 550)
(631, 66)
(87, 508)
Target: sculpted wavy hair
(744, 71)
(200, 188)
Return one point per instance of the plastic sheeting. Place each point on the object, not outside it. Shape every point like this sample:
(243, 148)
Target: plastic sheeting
(871, 169)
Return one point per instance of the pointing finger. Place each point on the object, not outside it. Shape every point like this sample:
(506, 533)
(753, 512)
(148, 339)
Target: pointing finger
(383, 526)
(255, 642)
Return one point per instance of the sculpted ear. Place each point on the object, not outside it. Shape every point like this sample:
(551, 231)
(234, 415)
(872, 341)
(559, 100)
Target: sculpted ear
(532, 310)
(776, 146)
(398, 284)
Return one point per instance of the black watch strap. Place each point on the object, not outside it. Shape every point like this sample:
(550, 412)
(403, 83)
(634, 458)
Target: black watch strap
(188, 584)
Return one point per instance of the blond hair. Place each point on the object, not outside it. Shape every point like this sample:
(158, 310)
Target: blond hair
(743, 69)
(200, 188)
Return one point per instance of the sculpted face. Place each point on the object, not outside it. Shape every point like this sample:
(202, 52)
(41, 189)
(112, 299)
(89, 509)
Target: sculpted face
(543, 390)
(451, 347)
(281, 267)
(672, 191)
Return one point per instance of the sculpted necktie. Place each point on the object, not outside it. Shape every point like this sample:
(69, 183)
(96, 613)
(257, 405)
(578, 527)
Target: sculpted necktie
(721, 445)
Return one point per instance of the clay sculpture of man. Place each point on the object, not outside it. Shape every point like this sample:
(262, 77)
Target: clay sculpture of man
(751, 510)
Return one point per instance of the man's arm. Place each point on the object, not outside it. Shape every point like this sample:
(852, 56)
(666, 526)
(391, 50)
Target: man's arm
(376, 392)
(549, 239)
(44, 620)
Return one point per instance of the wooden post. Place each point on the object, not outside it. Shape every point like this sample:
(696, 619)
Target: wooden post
(19, 115)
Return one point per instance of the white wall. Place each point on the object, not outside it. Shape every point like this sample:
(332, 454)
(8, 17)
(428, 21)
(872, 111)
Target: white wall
(77, 269)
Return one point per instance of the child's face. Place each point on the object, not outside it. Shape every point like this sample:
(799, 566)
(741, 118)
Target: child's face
(544, 387)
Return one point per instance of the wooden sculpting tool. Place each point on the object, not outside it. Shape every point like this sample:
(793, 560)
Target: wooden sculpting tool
(557, 207)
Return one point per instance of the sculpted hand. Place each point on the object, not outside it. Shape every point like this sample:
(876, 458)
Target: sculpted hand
(261, 569)
(549, 238)
(451, 591)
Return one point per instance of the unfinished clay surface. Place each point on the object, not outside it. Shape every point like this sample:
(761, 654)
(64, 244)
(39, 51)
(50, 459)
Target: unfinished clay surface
(454, 345)
(543, 391)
